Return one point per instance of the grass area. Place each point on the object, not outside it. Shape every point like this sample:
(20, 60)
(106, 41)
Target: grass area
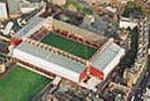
(119, 91)
(21, 85)
(132, 8)
(69, 46)
(82, 9)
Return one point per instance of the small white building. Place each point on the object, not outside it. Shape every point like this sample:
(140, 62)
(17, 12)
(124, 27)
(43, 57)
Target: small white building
(111, 9)
(3, 11)
(88, 19)
(127, 22)
(28, 7)
(8, 28)
(2, 67)
(59, 2)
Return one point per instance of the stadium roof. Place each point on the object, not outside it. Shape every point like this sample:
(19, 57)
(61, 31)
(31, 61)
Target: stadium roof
(106, 56)
(51, 57)
(31, 28)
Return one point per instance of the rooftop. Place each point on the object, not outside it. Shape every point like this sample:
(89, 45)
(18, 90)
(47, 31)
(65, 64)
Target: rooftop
(31, 28)
(106, 56)
(51, 57)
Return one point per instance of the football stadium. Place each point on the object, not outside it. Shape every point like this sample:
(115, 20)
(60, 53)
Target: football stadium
(54, 47)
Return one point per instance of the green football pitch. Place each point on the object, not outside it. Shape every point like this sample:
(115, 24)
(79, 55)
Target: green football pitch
(21, 84)
(69, 46)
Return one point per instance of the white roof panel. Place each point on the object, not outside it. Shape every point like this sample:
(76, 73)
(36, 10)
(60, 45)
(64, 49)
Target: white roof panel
(106, 56)
(31, 28)
(51, 57)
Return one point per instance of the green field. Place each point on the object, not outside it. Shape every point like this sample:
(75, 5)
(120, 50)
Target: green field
(21, 85)
(69, 46)
(80, 8)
